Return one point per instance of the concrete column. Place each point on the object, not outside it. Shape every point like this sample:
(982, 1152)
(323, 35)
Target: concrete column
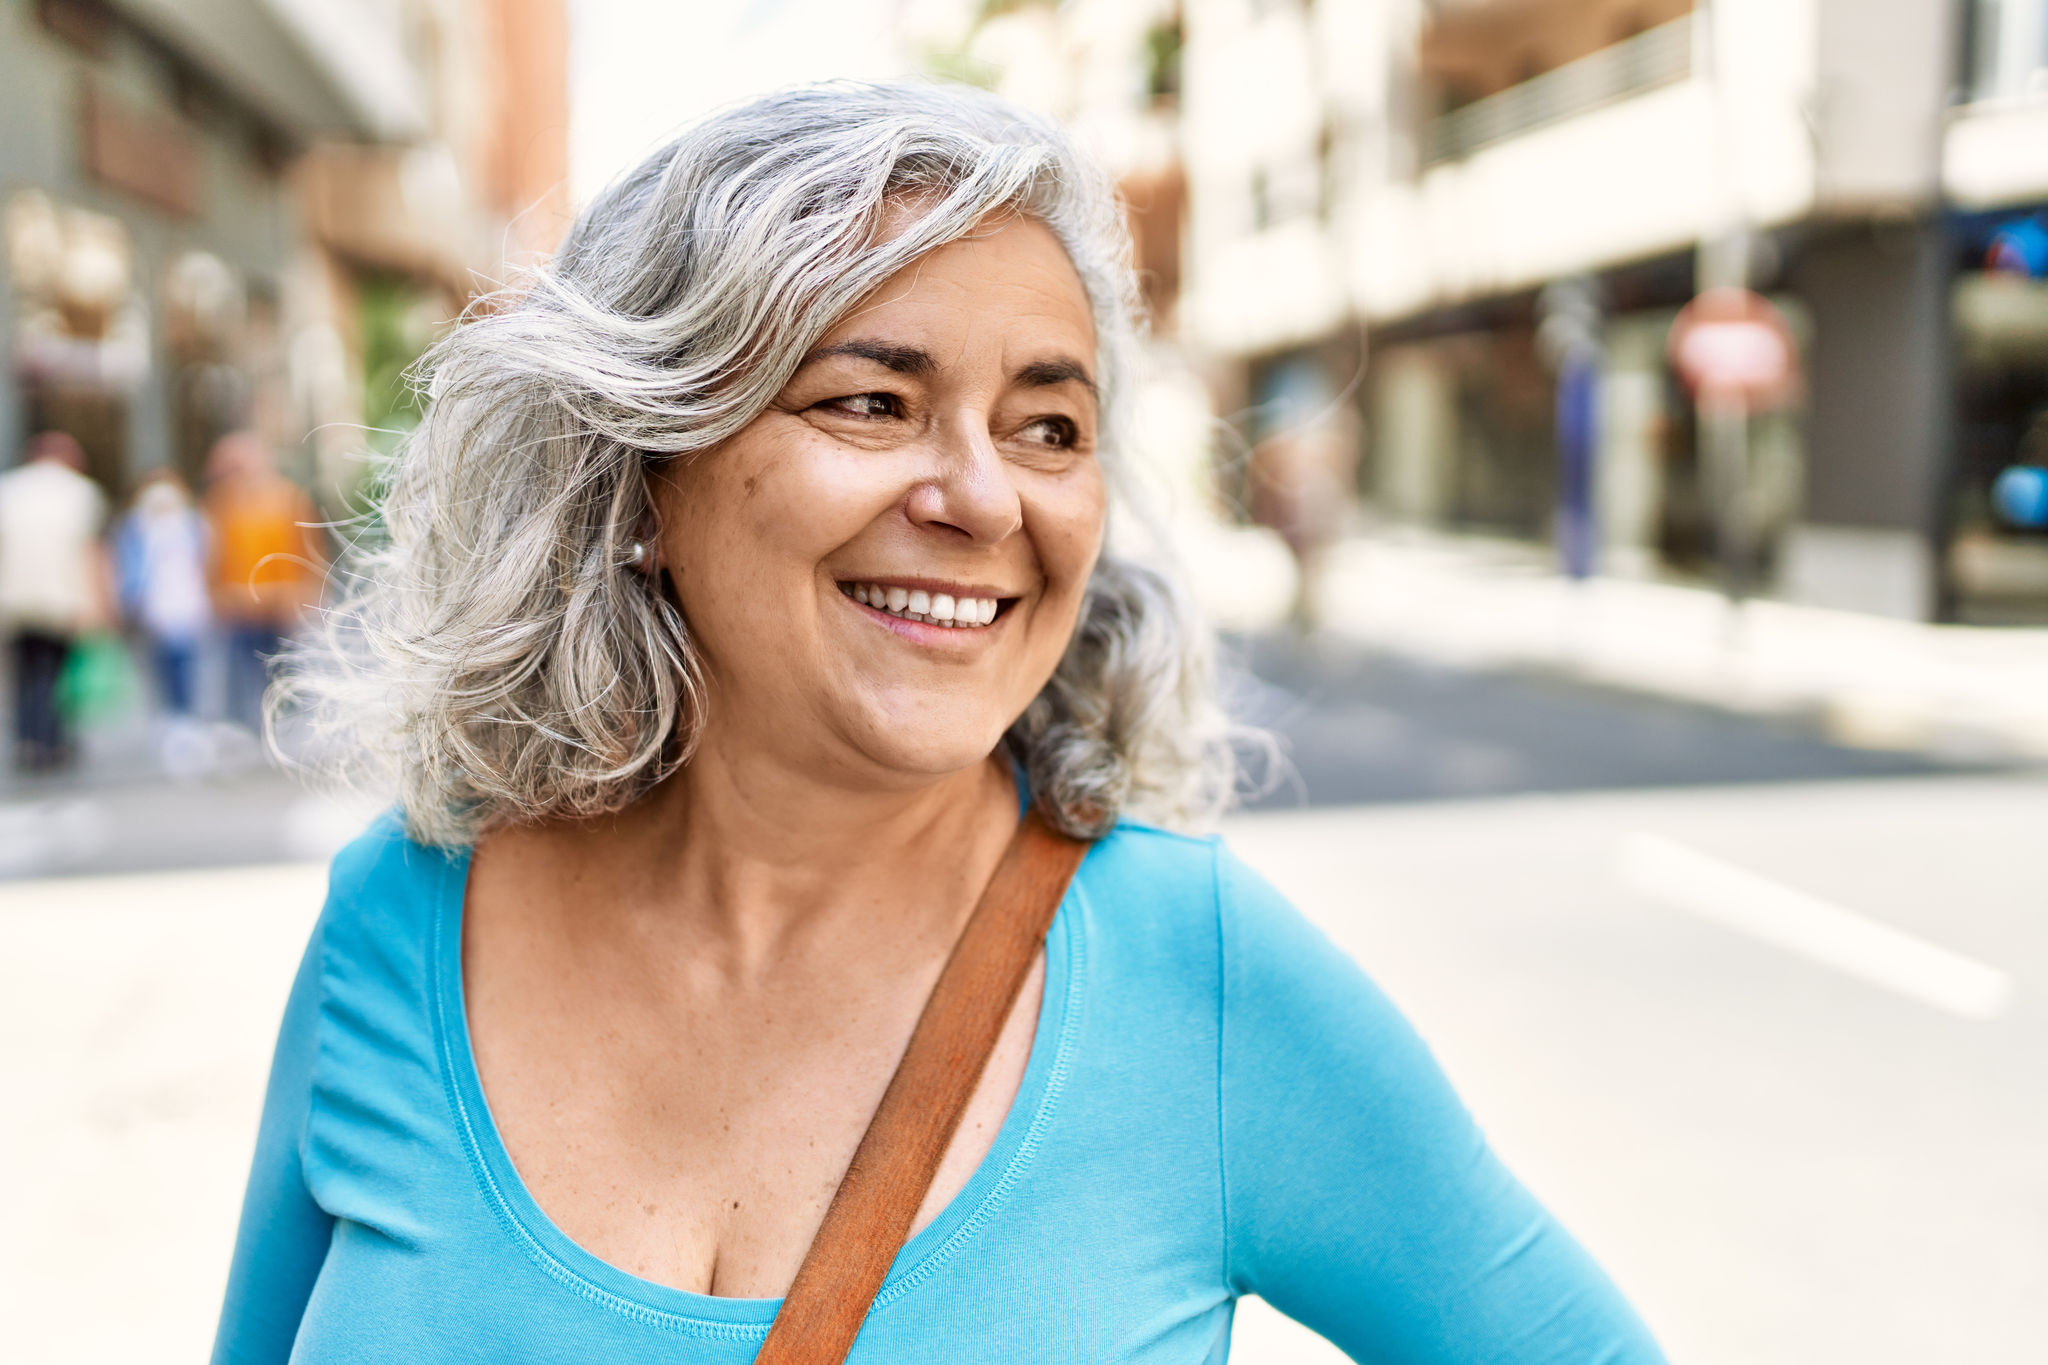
(1413, 435)
(1630, 474)
(1881, 405)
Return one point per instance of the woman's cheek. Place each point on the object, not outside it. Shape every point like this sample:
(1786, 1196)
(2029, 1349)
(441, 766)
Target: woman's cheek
(840, 488)
(1072, 523)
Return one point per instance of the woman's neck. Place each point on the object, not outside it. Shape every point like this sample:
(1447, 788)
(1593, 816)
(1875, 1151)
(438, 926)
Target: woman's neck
(760, 858)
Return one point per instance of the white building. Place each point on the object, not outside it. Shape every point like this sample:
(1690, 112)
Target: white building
(1399, 180)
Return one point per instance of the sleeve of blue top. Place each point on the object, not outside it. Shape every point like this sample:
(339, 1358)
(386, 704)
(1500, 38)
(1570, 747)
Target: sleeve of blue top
(1360, 1197)
(284, 1234)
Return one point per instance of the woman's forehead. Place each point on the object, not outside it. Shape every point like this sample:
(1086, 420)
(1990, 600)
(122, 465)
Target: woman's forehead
(1015, 276)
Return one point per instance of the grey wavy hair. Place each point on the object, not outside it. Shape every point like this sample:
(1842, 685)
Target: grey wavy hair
(496, 659)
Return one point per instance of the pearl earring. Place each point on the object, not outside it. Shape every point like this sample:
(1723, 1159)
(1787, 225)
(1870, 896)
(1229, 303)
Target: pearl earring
(637, 556)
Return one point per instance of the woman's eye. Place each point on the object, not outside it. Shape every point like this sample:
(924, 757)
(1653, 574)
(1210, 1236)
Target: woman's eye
(866, 405)
(1057, 432)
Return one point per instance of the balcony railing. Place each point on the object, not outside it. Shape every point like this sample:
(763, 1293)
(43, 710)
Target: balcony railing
(1653, 58)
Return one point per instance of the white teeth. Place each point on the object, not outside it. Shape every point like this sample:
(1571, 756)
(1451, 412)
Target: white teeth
(916, 604)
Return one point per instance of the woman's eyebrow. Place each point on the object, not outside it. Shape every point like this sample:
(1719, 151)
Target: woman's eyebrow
(1044, 374)
(902, 359)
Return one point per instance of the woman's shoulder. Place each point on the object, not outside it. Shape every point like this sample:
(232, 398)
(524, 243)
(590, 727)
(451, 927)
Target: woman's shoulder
(1197, 873)
(384, 859)
(1194, 890)
(376, 1081)
(1197, 893)
(1155, 879)
(1136, 848)
(384, 894)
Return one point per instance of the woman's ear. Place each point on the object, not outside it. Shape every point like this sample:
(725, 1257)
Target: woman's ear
(643, 549)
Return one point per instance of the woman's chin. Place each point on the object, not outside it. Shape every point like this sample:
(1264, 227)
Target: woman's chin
(929, 754)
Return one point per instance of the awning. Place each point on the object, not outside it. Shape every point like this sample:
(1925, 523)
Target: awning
(316, 68)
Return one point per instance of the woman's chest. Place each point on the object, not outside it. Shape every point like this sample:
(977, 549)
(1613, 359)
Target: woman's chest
(696, 1142)
(1030, 1286)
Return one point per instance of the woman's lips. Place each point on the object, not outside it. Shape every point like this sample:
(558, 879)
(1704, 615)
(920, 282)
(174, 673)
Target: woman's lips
(963, 608)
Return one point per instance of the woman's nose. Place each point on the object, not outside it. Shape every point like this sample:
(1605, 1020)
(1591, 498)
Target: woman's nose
(970, 489)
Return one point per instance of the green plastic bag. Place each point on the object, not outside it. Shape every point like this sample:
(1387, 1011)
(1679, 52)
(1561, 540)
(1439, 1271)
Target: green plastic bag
(98, 683)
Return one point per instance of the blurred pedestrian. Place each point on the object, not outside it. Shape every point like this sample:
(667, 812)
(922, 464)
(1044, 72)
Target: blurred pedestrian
(1300, 485)
(266, 563)
(52, 586)
(160, 554)
(1300, 478)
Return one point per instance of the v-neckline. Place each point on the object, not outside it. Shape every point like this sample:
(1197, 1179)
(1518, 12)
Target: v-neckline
(588, 1274)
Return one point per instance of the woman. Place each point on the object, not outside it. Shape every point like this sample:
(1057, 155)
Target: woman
(743, 573)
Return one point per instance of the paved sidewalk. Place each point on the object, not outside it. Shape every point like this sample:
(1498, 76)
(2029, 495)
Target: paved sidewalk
(137, 1015)
(1954, 692)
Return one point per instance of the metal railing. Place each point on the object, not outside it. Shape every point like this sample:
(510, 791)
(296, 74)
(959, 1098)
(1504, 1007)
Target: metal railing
(1655, 57)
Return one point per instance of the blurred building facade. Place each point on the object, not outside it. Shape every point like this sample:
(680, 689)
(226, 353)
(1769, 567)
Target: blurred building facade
(226, 214)
(1388, 198)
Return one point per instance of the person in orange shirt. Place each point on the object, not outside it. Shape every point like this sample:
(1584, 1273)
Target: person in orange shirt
(267, 563)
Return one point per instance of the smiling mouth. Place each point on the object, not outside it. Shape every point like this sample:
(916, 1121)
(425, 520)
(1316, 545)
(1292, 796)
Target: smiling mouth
(920, 604)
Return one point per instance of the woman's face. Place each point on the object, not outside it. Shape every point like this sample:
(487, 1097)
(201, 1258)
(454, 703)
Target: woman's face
(933, 457)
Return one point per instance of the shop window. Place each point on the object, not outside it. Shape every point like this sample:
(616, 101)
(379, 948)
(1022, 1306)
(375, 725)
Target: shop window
(2007, 49)
(1286, 190)
(1163, 44)
(87, 25)
(81, 334)
(399, 321)
(1998, 548)
(205, 313)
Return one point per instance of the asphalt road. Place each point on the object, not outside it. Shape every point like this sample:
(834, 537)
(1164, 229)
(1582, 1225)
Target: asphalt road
(1364, 726)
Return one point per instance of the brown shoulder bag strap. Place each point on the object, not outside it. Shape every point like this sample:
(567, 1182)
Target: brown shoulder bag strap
(870, 1216)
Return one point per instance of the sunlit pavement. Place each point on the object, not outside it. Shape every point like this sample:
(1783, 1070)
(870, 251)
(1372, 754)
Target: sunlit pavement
(137, 1015)
(1950, 691)
(252, 817)
(1808, 1147)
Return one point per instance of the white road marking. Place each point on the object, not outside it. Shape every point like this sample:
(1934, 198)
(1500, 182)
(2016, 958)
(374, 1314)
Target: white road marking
(1739, 899)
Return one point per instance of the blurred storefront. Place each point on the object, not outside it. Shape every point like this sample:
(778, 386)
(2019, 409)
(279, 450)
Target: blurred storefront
(1995, 173)
(1423, 175)
(150, 225)
(229, 214)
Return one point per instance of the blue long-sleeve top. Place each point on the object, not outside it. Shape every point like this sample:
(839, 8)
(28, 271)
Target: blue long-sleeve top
(1217, 1103)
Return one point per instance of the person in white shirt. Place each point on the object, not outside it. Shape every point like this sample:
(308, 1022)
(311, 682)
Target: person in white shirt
(52, 585)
